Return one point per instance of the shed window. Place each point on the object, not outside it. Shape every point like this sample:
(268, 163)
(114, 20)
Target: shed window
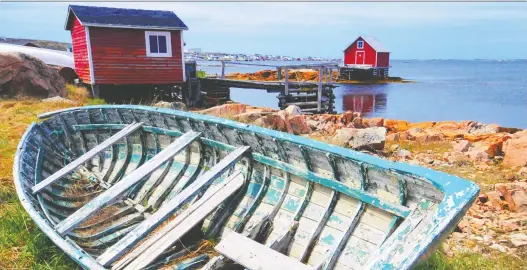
(360, 44)
(158, 44)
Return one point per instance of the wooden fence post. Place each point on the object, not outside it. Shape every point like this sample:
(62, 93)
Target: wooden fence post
(222, 69)
(319, 94)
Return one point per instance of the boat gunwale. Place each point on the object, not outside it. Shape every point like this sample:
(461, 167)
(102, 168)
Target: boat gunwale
(75, 253)
(458, 192)
(435, 177)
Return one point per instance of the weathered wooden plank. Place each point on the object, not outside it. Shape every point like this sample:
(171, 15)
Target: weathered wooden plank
(394, 243)
(254, 255)
(154, 246)
(167, 209)
(122, 186)
(87, 156)
(396, 209)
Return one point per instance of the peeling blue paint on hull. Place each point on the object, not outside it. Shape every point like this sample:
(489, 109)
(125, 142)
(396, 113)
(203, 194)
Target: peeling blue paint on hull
(323, 205)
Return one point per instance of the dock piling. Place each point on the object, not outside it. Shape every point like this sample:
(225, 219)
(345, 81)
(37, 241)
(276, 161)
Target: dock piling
(222, 70)
(319, 92)
(286, 91)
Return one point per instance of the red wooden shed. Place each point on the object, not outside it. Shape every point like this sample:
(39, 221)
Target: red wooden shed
(367, 51)
(115, 46)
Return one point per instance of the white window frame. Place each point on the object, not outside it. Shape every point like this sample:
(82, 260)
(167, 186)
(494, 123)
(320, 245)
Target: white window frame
(360, 44)
(158, 33)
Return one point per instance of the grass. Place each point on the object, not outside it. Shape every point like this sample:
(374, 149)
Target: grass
(492, 173)
(420, 147)
(471, 260)
(22, 244)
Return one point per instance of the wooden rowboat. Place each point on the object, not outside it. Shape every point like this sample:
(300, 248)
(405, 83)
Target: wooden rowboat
(136, 187)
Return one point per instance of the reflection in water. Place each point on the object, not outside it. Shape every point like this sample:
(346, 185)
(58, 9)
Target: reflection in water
(367, 104)
(370, 101)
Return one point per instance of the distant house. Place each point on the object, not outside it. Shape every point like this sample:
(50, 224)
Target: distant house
(115, 46)
(367, 51)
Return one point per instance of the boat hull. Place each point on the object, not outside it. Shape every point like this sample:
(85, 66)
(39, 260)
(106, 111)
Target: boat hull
(322, 205)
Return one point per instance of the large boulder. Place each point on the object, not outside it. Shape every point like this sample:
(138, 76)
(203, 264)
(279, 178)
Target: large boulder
(58, 99)
(293, 110)
(277, 121)
(25, 75)
(248, 117)
(373, 122)
(395, 125)
(515, 194)
(347, 117)
(461, 146)
(344, 135)
(180, 106)
(226, 110)
(368, 139)
(483, 129)
(515, 151)
(299, 125)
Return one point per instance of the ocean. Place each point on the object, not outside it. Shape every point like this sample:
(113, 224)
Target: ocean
(488, 91)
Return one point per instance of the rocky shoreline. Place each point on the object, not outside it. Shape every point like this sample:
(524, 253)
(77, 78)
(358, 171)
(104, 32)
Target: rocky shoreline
(492, 156)
(305, 75)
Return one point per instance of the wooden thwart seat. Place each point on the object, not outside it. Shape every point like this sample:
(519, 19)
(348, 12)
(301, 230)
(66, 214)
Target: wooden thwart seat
(254, 255)
(87, 156)
(167, 209)
(127, 182)
(154, 246)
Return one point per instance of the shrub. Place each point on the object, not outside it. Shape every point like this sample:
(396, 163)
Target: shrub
(78, 94)
(201, 74)
(95, 101)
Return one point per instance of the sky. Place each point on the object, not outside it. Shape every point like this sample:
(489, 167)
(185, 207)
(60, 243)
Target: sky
(408, 30)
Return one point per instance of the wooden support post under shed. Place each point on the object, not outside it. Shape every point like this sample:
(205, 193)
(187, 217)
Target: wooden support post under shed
(286, 92)
(95, 90)
(279, 73)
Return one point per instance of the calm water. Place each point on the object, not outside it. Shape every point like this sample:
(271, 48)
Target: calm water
(481, 90)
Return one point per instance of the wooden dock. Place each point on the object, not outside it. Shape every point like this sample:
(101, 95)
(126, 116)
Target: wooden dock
(270, 86)
(311, 97)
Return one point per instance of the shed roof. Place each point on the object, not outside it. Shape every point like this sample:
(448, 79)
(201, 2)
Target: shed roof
(373, 42)
(124, 18)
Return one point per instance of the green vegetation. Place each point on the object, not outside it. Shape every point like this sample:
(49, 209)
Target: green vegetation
(201, 74)
(419, 147)
(22, 244)
(82, 96)
(471, 260)
(96, 101)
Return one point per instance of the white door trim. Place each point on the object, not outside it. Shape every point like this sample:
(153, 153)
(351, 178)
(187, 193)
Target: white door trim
(363, 57)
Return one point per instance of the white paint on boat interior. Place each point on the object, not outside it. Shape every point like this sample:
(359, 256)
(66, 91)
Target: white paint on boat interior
(171, 232)
(254, 255)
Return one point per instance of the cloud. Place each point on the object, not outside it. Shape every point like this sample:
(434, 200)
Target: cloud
(309, 28)
(246, 16)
